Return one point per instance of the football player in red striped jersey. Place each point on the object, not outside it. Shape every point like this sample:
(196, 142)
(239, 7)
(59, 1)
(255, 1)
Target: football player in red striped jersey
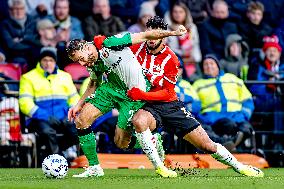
(164, 109)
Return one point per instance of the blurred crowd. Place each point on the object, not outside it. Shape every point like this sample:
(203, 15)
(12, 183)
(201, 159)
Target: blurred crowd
(228, 42)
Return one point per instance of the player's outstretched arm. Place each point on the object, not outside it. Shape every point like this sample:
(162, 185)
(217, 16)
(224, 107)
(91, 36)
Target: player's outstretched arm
(156, 34)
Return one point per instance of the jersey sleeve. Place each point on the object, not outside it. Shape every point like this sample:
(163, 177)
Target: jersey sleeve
(118, 42)
(98, 41)
(171, 71)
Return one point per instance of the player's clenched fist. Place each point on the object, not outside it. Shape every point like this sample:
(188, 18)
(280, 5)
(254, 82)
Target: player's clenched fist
(135, 94)
(181, 30)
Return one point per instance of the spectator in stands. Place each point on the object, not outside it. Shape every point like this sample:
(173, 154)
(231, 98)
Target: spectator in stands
(187, 94)
(102, 22)
(18, 33)
(198, 9)
(47, 37)
(186, 46)
(252, 28)
(40, 8)
(68, 27)
(226, 103)
(214, 31)
(236, 56)
(146, 12)
(46, 93)
(47, 33)
(270, 68)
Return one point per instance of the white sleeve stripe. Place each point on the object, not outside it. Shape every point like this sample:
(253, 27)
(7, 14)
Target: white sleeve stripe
(172, 82)
(164, 63)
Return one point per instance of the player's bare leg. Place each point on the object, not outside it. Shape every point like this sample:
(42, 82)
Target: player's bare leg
(142, 120)
(199, 138)
(83, 121)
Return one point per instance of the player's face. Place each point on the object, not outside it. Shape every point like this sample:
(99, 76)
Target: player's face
(153, 44)
(210, 67)
(48, 64)
(87, 56)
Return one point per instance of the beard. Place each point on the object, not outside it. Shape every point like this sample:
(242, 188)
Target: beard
(154, 47)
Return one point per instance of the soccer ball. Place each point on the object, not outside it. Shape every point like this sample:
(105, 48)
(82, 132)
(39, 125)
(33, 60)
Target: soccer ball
(55, 166)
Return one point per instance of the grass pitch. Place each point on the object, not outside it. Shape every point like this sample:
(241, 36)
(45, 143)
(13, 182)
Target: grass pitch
(133, 178)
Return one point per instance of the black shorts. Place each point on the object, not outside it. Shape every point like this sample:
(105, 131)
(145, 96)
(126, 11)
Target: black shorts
(172, 116)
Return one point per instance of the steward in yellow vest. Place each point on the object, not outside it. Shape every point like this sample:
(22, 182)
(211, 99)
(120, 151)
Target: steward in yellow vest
(226, 103)
(46, 93)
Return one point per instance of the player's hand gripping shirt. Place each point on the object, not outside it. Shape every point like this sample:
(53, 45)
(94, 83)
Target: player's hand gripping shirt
(118, 62)
(162, 71)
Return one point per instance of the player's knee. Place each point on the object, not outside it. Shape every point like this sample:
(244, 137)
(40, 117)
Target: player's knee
(81, 122)
(140, 126)
(140, 122)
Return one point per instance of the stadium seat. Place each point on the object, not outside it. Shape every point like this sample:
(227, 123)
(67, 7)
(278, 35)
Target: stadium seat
(76, 71)
(11, 70)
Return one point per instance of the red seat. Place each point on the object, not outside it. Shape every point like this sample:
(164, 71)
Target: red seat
(11, 70)
(76, 71)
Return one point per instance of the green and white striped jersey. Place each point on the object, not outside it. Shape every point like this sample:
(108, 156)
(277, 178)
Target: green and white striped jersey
(119, 63)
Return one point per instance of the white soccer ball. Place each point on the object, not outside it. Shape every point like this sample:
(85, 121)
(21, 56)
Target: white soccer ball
(55, 166)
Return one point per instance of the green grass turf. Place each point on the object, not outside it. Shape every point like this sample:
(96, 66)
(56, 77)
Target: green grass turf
(132, 178)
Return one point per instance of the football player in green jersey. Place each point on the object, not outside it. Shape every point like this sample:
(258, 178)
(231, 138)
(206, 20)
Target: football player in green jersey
(113, 57)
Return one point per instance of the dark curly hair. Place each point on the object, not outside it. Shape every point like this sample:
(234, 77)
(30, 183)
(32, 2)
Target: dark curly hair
(75, 45)
(156, 22)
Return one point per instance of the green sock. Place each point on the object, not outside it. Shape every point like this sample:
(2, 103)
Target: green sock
(137, 145)
(88, 145)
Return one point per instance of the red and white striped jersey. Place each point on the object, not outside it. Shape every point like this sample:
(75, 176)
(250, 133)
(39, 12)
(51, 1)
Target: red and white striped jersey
(161, 69)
